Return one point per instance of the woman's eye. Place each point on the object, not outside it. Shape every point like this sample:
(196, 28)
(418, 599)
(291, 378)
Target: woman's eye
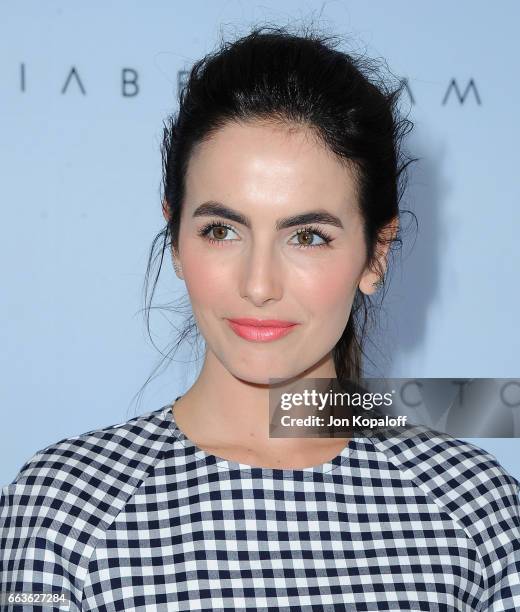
(216, 232)
(219, 233)
(310, 238)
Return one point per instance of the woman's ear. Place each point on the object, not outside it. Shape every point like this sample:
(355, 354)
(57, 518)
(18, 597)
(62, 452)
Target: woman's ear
(165, 211)
(371, 279)
(177, 265)
(175, 257)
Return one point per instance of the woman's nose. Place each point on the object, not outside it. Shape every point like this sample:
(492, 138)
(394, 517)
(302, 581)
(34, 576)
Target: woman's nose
(260, 278)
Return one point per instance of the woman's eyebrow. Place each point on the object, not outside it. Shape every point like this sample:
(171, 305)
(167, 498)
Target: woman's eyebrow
(212, 208)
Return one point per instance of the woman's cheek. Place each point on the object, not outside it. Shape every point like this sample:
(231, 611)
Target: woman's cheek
(335, 307)
(327, 290)
(205, 279)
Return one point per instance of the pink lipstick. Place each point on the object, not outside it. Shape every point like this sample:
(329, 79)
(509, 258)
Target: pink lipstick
(261, 330)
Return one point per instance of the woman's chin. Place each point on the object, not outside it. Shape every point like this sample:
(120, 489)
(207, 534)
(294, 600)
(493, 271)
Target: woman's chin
(263, 377)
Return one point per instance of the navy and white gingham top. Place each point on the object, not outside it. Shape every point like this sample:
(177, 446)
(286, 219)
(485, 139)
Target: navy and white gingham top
(136, 517)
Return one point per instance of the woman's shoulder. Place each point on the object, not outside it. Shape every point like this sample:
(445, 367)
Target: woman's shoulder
(450, 493)
(457, 473)
(100, 464)
(467, 483)
(66, 495)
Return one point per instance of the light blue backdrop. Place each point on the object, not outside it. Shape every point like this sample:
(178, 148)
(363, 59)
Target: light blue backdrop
(80, 197)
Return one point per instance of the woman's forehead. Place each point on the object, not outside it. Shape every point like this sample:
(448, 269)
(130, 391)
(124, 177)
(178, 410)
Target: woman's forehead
(266, 166)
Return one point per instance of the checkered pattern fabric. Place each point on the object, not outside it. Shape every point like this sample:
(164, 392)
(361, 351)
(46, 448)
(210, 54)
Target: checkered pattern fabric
(136, 517)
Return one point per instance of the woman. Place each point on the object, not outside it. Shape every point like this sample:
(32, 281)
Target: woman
(282, 177)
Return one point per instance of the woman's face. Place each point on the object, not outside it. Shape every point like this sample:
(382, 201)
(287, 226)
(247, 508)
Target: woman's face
(254, 269)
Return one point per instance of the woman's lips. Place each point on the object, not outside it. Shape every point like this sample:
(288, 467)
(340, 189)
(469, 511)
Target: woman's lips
(260, 331)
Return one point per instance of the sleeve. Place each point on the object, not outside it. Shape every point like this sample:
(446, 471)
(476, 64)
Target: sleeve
(33, 551)
(502, 563)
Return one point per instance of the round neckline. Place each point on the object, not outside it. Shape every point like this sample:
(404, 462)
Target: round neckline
(222, 464)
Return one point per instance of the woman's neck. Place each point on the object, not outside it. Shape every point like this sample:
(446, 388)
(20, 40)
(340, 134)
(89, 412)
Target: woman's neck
(230, 418)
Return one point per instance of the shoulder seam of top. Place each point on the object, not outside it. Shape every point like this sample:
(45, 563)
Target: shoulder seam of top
(150, 470)
(440, 505)
(104, 521)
